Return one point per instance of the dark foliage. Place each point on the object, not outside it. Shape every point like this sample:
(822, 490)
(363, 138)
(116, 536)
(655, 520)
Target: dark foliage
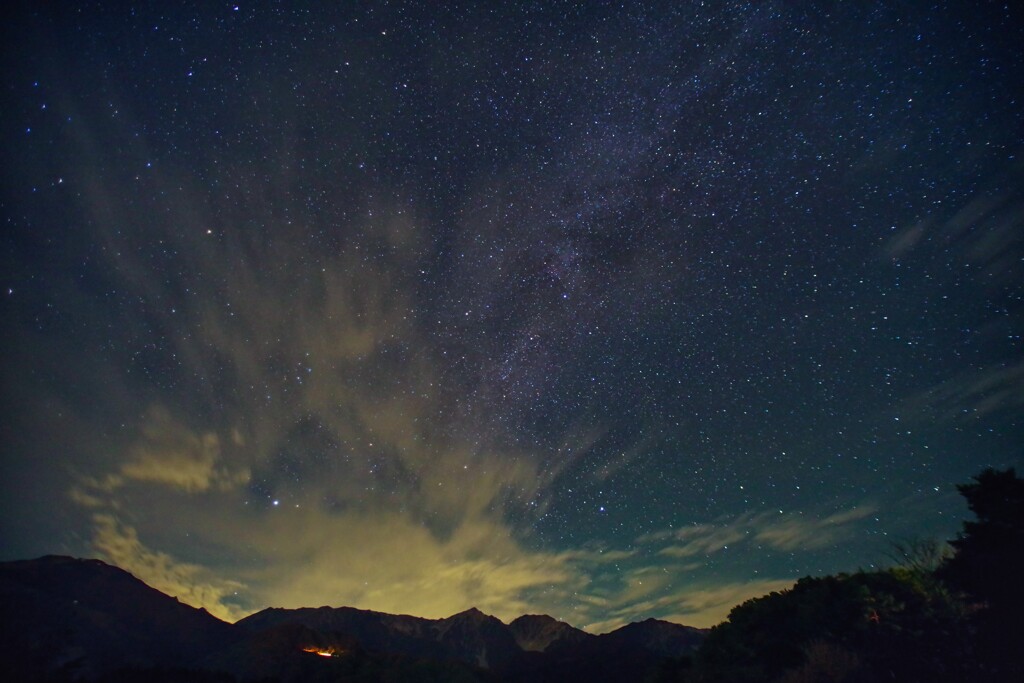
(989, 560)
(988, 568)
(867, 626)
(934, 618)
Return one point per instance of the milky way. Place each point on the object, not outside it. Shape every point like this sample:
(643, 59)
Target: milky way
(604, 312)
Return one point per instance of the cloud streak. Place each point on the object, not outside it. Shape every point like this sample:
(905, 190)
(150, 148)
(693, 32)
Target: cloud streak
(777, 530)
(167, 454)
(119, 544)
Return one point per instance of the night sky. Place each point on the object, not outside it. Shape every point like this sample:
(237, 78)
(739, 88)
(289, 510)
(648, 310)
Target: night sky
(602, 311)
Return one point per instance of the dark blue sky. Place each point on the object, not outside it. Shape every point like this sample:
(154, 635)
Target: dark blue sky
(602, 311)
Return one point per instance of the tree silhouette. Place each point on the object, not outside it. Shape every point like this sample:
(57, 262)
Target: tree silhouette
(868, 626)
(989, 567)
(989, 560)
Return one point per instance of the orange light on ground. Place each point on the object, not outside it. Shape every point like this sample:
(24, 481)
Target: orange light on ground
(318, 651)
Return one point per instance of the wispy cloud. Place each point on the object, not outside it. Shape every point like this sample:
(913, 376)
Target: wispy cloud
(781, 531)
(704, 539)
(800, 532)
(700, 605)
(119, 544)
(971, 395)
(710, 605)
(166, 453)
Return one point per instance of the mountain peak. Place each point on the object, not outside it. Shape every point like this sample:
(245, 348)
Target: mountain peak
(537, 632)
(664, 637)
(106, 617)
(536, 618)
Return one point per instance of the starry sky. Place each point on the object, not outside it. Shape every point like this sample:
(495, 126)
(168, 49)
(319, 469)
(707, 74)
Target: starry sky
(605, 311)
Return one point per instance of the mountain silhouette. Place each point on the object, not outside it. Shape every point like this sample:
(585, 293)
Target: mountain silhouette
(66, 619)
(536, 632)
(86, 618)
(660, 637)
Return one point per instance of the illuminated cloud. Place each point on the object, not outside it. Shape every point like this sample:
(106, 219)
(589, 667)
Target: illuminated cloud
(119, 544)
(333, 465)
(166, 454)
(710, 605)
(388, 562)
(696, 604)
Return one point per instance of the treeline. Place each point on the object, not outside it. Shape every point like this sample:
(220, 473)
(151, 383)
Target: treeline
(935, 616)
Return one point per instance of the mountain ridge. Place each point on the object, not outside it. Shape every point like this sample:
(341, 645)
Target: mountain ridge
(84, 619)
